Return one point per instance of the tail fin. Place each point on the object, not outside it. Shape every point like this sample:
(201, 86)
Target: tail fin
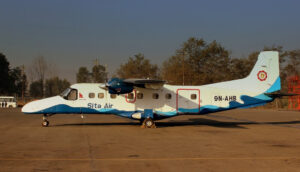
(264, 77)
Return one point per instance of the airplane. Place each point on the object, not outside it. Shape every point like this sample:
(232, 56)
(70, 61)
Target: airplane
(149, 100)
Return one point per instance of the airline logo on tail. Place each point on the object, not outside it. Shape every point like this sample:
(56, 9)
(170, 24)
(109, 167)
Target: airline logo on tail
(262, 75)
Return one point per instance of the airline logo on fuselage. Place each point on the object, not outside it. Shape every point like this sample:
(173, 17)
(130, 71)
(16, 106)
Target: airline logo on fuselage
(99, 106)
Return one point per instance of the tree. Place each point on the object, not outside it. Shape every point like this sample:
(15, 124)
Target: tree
(138, 67)
(55, 86)
(38, 71)
(214, 64)
(19, 81)
(83, 75)
(4, 75)
(293, 63)
(99, 74)
(36, 90)
(173, 70)
(12, 81)
(197, 63)
(241, 67)
(291, 67)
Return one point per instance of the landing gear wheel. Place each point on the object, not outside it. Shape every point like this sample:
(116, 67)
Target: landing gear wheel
(148, 123)
(45, 123)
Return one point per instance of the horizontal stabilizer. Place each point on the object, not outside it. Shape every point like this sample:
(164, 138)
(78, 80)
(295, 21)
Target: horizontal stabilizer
(280, 94)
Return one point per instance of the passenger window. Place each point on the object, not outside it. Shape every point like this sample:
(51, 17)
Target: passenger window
(155, 96)
(100, 95)
(130, 96)
(113, 96)
(168, 96)
(140, 95)
(193, 96)
(72, 95)
(91, 95)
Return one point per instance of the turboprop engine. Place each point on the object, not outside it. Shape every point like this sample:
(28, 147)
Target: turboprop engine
(118, 86)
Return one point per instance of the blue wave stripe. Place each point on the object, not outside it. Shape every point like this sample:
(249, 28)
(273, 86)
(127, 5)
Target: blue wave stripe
(275, 87)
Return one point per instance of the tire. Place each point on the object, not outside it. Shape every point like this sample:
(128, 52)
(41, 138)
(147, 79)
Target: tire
(45, 123)
(10, 106)
(149, 123)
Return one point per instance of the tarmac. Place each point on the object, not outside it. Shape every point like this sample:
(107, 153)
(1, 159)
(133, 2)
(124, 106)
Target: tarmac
(237, 140)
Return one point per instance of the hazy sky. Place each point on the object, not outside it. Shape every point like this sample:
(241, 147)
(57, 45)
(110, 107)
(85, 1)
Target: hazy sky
(73, 33)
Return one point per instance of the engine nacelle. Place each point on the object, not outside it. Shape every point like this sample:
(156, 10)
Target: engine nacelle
(117, 86)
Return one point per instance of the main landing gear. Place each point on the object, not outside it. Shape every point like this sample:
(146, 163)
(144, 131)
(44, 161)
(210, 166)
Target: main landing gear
(147, 119)
(45, 122)
(148, 123)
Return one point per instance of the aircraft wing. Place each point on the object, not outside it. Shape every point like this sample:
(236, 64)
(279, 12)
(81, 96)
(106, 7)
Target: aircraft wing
(145, 83)
(124, 86)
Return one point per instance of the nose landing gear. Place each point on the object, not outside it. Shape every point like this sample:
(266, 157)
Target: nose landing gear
(45, 122)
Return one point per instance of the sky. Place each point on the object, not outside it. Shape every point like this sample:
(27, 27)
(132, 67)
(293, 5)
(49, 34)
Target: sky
(73, 33)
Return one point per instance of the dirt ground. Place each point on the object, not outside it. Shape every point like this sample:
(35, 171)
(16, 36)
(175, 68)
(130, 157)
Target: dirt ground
(238, 140)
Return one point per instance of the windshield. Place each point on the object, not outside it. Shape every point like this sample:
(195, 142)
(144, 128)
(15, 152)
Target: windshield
(69, 94)
(65, 93)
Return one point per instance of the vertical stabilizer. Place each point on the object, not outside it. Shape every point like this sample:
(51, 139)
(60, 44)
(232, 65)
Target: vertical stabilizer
(264, 76)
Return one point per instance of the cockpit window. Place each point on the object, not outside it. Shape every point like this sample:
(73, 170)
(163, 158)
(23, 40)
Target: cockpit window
(72, 95)
(69, 94)
(65, 93)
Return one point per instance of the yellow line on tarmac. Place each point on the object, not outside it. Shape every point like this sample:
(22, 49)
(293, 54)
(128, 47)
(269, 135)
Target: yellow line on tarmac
(147, 159)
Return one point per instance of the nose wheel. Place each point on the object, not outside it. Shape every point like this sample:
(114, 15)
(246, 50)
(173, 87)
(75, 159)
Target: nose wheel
(45, 122)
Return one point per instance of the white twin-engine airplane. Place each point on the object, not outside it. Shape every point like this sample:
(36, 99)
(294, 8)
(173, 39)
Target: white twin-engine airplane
(149, 100)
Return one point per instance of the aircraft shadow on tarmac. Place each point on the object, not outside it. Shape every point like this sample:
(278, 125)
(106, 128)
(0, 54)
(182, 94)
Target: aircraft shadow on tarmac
(190, 122)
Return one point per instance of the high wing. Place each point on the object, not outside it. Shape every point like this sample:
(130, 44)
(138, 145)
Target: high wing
(124, 86)
(146, 83)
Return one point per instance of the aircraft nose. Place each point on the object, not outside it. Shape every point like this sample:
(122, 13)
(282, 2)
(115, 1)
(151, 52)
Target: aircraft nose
(31, 107)
(42, 106)
(28, 108)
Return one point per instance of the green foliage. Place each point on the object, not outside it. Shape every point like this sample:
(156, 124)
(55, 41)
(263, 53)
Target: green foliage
(99, 74)
(36, 90)
(197, 63)
(241, 67)
(19, 80)
(54, 86)
(4, 75)
(173, 68)
(83, 75)
(12, 81)
(138, 67)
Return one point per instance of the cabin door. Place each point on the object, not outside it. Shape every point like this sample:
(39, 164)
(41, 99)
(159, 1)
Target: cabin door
(188, 100)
